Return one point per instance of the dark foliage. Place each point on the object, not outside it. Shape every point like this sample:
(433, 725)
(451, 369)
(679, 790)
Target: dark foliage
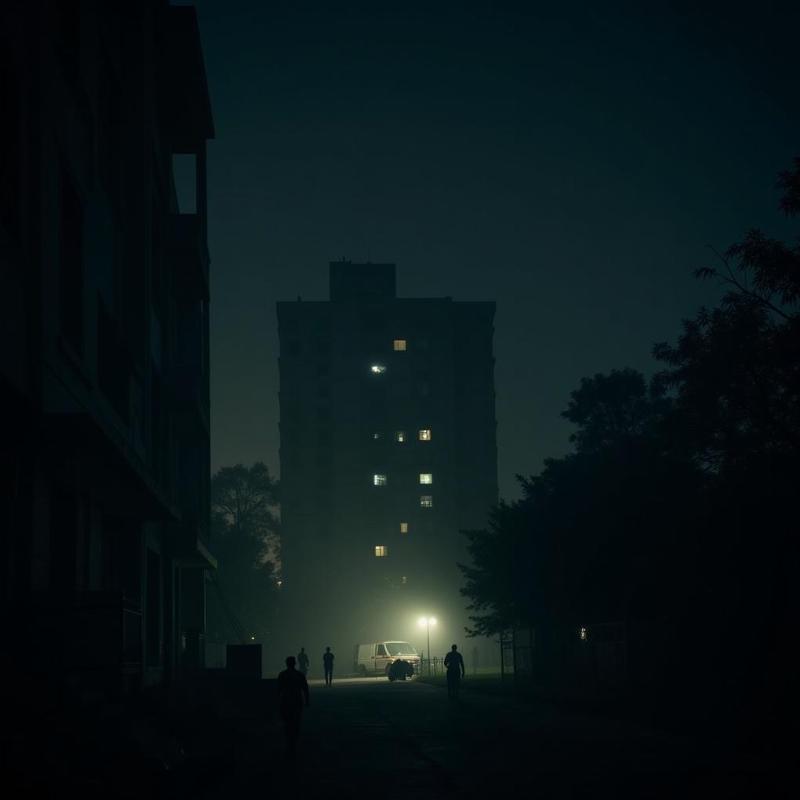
(675, 513)
(246, 531)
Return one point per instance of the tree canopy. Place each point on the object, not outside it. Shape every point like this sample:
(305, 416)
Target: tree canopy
(675, 510)
(246, 540)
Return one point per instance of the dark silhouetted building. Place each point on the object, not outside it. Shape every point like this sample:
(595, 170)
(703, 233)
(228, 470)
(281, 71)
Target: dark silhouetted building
(104, 432)
(388, 450)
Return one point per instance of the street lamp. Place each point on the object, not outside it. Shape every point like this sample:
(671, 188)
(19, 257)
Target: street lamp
(428, 623)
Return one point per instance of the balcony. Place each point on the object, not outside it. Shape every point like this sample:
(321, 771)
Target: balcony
(184, 103)
(107, 632)
(109, 462)
(189, 251)
(189, 390)
(190, 543)
(93, 639)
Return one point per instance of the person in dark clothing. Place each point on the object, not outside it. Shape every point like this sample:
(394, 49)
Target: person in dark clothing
(327, 661)
(454, 664)
(302, 661)
(292, 695)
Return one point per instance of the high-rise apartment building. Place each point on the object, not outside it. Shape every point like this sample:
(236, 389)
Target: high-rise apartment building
(388, 451)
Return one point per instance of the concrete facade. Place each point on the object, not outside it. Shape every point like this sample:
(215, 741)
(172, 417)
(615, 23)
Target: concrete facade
(104, 431)
(388, 451)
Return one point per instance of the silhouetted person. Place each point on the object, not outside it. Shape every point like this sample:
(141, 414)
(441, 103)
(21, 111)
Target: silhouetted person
(302, 661)
(454, 664)
(327, 662)
(292, 695)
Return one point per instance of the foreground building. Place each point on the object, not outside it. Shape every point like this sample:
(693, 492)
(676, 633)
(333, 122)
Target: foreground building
(104, 432)
(388, 451)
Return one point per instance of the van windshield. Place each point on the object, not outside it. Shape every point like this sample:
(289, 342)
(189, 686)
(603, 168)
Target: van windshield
(400, 649)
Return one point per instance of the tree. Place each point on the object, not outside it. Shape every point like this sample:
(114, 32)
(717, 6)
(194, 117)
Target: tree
(611, 409)
(735, 370)
(246, 541)
(734, 374)
(591, 537)
(677, 507)
(490, 582)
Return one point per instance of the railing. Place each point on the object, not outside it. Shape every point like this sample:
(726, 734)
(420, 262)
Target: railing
(432, 666)
(93, 641)
(594, 655)
(106, 632)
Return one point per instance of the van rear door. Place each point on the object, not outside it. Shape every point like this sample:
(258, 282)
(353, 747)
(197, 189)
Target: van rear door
(366, 657)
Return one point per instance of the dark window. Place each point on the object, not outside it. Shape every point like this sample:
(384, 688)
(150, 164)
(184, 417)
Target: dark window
(63, 541)
(373, 321)
(10, 151)
(184, 173)
(156, 251)
(109, 141)
(68, 33)
(113, 363)
(381, 650)
(153, 609)
(157, 428)
(70, 262)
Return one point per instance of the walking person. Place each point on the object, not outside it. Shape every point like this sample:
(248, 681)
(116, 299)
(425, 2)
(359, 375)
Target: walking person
(292, 696)
(327, 662)
(302, 661)
(454, 664)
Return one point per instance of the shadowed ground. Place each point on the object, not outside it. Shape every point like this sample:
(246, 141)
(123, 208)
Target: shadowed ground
(394, 740)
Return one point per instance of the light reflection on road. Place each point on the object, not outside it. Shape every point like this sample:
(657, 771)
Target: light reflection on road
(370, 681)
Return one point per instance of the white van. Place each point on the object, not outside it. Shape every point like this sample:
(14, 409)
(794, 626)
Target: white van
(375, 658)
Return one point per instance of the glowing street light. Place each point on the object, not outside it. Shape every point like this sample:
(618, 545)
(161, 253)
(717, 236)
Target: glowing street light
(428, 623)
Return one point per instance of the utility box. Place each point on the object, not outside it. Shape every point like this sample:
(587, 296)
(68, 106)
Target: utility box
(243, 660)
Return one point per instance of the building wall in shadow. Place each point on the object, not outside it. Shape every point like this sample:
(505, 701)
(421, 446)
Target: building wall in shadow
(104, 430)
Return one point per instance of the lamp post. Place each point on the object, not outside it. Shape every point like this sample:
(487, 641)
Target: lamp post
(428, 623)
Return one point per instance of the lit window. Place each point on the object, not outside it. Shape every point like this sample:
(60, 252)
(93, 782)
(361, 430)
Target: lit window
(381, 551)
(377, 369)
(583, 634)
(378, 479)
(376, 435)
(400, 436)
(426, 501)
(404, 580)
(426, 477)
(403, 527)
(425, 435)
(399, 345)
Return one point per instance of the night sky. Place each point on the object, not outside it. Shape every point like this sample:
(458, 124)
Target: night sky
(572, 164)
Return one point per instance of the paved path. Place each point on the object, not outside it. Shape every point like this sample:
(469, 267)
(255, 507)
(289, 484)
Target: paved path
(368, 738)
